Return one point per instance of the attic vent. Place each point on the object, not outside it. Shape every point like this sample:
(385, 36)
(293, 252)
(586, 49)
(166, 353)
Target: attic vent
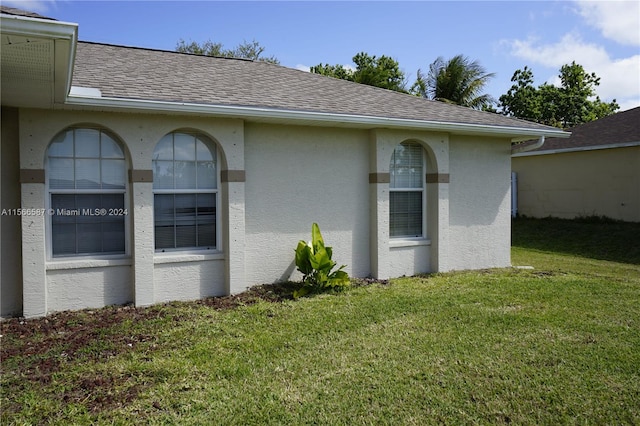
(86, 92)
(32, 61)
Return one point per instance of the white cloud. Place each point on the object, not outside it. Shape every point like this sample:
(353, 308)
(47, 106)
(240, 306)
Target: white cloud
(307, 68)
(618, 77)
(39, 6)
(617, 20)
(350, 68)
(569, 48)
(628, 104)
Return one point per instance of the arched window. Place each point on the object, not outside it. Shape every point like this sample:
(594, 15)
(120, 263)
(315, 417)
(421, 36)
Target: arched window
(185, 186)
(406, 191)
(86, 175)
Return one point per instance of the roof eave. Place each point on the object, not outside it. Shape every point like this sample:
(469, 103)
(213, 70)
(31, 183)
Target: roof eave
(309, 117)
(64, 36)
(577, 149)
(37, 27)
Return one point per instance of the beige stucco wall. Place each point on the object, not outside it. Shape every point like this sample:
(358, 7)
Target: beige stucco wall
(198, 278)
(10, 231)
(299, 175)
(53, 284)
(410, 259)
(294, 176)
(480, 200)
(604, 182)
(95, 285)
(398, 257)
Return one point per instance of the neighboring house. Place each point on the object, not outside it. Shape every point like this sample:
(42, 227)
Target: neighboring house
(596, 172)
(148, 176)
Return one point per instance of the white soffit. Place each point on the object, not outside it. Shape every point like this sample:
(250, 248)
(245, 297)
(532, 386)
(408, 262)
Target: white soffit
(36, 60)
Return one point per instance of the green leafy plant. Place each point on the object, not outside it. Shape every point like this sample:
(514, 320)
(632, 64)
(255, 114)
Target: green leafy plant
(313, 260)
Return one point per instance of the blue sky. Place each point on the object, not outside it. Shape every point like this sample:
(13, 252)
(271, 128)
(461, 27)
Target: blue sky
(504, 36)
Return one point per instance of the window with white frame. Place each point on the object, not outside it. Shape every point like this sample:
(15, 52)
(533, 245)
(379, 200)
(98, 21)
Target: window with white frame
(86, 177)
(185, 186)
(406, 191)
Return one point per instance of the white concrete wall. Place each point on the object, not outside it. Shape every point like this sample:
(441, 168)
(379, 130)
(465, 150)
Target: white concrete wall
(184, 280)
(479, 204)
(72, 288)
(297, 176)
(397, 257)
(409, 260)
(10, 225)
(52, 284)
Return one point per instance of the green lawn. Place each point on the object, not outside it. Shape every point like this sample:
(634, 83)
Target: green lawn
(557, 344)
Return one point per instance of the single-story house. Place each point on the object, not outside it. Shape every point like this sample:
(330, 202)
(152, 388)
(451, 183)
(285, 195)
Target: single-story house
(146, 176)
(595, 172)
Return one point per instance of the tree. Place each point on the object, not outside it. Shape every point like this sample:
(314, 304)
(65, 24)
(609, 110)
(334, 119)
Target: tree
(458, 81)
(566, 106)
(522, 99)
(335, 71)
(246, 50)
(382, 72)
(577, 86)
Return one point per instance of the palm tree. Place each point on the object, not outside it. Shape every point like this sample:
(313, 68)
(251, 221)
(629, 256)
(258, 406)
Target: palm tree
(458, 81)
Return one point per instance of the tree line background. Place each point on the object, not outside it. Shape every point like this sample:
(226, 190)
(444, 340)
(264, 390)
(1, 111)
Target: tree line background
(458, 80)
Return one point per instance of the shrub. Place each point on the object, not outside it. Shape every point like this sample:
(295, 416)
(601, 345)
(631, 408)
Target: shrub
(313, 260)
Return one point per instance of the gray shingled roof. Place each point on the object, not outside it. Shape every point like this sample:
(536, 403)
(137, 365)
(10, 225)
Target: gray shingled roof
(619, 128)
(145, 74)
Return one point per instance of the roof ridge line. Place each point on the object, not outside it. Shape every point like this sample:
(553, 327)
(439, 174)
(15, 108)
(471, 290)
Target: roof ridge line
(154, 49)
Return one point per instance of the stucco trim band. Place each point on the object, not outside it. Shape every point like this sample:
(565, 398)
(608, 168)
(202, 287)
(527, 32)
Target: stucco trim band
(437, 177)
(233, 176)
(379, 177)
(32, 176)
(140, 175)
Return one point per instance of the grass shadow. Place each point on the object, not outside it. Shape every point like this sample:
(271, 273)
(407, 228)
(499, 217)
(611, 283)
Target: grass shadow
(596, 238)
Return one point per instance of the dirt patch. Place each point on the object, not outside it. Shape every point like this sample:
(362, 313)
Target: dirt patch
(359, 282)
(69, 333)
(98, 393)
(546, 274)
(32, 351)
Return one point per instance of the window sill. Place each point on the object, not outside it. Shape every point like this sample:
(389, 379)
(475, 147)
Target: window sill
(61, 264)
(414, 242)
(192, 256)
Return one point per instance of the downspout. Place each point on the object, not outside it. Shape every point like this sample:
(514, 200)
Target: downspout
(526, 148)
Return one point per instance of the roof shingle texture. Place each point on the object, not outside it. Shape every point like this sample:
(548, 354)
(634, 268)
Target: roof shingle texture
(145, 74)
(19, 12)
(622, 127)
